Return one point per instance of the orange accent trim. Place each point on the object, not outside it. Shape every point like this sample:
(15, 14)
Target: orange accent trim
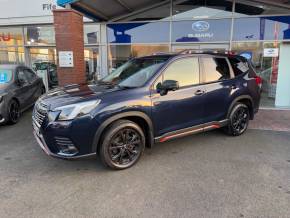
(214, 126)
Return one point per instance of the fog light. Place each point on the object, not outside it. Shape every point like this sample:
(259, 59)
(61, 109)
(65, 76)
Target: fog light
(65, 146)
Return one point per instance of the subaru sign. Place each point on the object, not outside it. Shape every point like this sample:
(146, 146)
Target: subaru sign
(200, 26)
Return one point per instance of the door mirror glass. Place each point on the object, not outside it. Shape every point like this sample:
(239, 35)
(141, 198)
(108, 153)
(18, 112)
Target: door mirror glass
(166, 86)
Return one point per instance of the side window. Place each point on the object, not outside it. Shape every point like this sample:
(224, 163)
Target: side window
(185, 71)
(239, 66)
(30, 75)
(21, 76)
(215, 69)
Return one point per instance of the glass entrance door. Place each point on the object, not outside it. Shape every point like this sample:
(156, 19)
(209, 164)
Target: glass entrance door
(44, 59)
(92, 62)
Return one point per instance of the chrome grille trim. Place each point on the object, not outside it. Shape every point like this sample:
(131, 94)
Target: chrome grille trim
(39, 113)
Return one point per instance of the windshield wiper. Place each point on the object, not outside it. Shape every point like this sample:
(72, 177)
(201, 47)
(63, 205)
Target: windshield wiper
(126, 87)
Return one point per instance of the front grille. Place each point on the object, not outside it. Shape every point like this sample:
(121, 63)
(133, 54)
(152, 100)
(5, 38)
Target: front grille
(40, 113)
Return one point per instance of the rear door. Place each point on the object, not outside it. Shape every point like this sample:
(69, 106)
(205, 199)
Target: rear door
(217, 78)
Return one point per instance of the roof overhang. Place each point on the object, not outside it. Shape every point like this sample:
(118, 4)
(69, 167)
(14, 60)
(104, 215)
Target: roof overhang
(105, 10)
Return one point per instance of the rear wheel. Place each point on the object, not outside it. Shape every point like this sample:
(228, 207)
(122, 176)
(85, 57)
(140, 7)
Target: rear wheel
(122, 145)
(13, 112)
(238, 120)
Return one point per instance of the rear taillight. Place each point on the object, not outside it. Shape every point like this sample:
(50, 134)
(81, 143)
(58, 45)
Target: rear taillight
(258, 81)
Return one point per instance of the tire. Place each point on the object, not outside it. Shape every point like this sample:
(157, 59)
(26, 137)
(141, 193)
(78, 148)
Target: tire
(13, 112)
(122, 145)
(238, 120)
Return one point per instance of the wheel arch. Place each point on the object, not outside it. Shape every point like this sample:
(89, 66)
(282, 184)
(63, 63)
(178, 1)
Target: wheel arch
(245, 99)
(142, 119)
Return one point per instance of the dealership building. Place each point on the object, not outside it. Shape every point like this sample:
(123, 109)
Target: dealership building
(43, 33)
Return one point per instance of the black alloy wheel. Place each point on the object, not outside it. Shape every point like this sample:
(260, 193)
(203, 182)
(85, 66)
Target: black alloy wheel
(13, 112)
(238, 120)
(123, 145)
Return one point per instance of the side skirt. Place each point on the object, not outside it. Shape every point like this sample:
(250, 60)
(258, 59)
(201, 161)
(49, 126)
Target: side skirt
(191, 130)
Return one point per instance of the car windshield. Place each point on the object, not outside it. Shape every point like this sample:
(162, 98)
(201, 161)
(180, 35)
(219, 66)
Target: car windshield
(5, 76)
(135, 73)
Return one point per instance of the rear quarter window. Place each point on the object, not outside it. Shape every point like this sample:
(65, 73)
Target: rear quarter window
(239, 66)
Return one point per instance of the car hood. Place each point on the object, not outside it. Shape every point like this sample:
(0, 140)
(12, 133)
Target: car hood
(74, 94)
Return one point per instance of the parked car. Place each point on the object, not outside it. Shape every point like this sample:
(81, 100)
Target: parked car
(19, 89)
(147, 100)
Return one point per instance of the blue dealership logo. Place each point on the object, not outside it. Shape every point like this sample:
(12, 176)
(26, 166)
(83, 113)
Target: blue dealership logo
(200, 26)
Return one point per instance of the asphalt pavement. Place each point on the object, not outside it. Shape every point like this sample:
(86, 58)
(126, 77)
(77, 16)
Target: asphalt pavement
(205, 175)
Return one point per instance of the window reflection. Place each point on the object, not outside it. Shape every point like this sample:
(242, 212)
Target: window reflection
(119, 54)
(40, 35)
(185, 71)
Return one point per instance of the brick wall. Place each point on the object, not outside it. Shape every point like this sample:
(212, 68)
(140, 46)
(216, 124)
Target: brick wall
(68, 26)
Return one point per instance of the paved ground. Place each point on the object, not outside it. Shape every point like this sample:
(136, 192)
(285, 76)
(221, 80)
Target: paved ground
(206, 175)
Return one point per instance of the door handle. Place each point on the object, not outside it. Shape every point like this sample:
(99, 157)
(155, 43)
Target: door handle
(234, 87)
(199, 92)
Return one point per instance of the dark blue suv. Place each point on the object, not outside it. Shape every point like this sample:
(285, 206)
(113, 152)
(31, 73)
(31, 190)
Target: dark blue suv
(149, 99)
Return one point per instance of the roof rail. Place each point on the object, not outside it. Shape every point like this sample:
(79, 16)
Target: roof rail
(199, 51)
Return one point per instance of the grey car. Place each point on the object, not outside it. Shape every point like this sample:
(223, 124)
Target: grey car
(20, 87)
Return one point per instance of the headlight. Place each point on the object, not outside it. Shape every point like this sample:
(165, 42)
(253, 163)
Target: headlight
(72, 111)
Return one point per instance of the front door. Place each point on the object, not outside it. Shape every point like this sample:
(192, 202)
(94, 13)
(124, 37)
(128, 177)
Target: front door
(23, 91)
(183, 107)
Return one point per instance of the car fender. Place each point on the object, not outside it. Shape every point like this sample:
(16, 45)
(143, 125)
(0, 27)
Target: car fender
(241, 97)
(110, 120)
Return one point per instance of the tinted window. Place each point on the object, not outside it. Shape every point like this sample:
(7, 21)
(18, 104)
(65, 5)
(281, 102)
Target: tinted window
(185, 71)
(30, 75)
(21, 76)
(239, 66)
(215, 69)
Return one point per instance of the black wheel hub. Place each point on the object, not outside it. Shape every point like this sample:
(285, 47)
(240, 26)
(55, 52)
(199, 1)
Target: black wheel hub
(14, 112)
(240, 120)
(125, 146)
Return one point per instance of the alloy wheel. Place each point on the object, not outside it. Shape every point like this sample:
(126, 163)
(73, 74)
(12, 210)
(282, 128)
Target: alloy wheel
(125, 146)
(240, 120)
(14, 112)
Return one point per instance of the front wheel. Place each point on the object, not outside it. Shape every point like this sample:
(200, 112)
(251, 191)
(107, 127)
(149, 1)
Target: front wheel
(122, 145)
(13, 112)
(238, 120)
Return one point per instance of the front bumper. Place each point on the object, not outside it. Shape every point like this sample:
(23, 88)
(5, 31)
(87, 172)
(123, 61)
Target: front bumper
(40, 140)
(81, 135)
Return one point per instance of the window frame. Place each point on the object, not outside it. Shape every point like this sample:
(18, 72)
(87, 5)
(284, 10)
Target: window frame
(202, 81)
(165, 67)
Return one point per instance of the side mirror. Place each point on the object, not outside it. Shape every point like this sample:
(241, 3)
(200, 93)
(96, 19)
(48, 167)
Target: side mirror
(20, 82)
(166, 86)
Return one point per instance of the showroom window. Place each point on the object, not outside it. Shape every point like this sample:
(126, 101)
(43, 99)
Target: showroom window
(119, 54)
(191, 9)
(11, 55)
(262, 28)
(152, 32)
(11, 37)
(247, 7)
(40, 35)
(201, 30)
(91, 33)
